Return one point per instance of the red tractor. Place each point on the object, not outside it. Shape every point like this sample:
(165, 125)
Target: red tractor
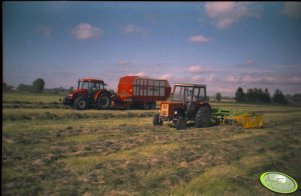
(89, 93)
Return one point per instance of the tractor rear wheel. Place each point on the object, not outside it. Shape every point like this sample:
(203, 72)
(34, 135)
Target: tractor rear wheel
(181, 123)
(104, 102)
(156, 120)
(80, 103)
(202, 117)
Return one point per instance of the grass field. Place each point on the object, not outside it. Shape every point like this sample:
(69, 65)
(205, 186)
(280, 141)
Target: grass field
(49, 149)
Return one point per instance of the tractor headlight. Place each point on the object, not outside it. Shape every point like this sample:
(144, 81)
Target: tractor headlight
(70, 95)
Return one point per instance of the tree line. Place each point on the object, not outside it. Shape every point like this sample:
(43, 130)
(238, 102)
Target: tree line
(36, 87)
(255, 95)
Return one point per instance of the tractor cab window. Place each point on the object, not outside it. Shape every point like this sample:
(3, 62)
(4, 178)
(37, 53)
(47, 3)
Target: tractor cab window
(178, 93)
(83, 85)
(101, 85)
(94, 86)
(188, 91)
(202, 94)
(196, 97)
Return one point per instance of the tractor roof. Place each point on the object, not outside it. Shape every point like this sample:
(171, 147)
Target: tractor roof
(191, 85)
(91, 80)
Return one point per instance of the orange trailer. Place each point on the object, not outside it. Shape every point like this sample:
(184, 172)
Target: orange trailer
(141, 91)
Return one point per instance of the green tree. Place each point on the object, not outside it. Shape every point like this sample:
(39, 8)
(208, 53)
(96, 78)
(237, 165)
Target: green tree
(218, 96)
(24, 87)
(297, 98)
(6, 87)
(240, 95)
(71, 89)
(267, 97)
(38, 85)
(279, 97)
(251, 95)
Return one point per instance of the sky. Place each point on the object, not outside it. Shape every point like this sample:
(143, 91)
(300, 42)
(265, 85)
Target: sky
(221, 44)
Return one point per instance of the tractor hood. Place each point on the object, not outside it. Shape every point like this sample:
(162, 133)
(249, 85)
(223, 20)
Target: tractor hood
(77, 92)
(167, 108)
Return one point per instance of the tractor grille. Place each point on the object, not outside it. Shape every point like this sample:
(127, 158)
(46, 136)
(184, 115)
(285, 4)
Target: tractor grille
(164, 106)
(164, 110)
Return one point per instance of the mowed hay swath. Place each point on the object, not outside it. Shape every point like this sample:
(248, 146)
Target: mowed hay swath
(64, 151)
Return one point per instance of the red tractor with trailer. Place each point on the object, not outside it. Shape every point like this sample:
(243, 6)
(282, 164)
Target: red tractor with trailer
(132, 91)
(90, 92)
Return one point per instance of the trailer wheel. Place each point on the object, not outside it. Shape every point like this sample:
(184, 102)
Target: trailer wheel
(80, 103)
(156, 120)
(202, 117)
(181, 123)
(104, 102)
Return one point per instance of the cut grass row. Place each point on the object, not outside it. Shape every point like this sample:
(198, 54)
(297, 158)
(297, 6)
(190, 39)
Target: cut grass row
(63, 151)
(134, 157)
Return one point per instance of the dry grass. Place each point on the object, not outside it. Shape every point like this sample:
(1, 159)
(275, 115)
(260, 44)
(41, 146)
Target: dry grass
(63, 151)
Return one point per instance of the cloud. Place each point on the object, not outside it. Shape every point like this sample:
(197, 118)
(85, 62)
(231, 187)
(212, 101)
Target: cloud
(224, 14)
(250, 62)
(121, 62)
(141, 74)
(233, 79)
(85, 31)
(213, 78)
(198, 39)
(197, 79)
(44, 30)
(166, 77)
(292, 9)
(196, 69)
(134, 29)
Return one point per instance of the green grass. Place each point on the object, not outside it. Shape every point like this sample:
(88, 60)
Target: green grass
(59, 151)
(18, 97)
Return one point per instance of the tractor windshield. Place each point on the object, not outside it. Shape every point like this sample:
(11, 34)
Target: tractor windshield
(90, 85)
(188, 93)
(83, 85)
(178, 94)
(182, 93)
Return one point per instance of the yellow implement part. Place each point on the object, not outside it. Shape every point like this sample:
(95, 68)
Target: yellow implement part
(247, 120)
(250, 121)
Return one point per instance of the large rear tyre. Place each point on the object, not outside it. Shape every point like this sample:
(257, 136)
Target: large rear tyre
(156, 120)
(80, 103)
(181, 123)
(202, 117)
(104, 102)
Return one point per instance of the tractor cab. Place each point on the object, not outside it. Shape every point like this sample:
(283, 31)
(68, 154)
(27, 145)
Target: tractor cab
(189, 94)
(91, 85)
(89, 92)
(187, 103)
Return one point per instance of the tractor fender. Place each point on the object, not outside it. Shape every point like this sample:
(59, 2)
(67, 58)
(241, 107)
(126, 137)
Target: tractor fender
(101, 92)
(205, 104)
(78, 93)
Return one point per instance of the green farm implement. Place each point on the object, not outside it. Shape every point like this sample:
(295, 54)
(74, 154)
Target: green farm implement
(247, 120)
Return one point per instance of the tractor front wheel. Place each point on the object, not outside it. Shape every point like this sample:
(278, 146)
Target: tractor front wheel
(104, 102)
(157, 120)
(181, 123)
(202, 117)
(80, 103)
